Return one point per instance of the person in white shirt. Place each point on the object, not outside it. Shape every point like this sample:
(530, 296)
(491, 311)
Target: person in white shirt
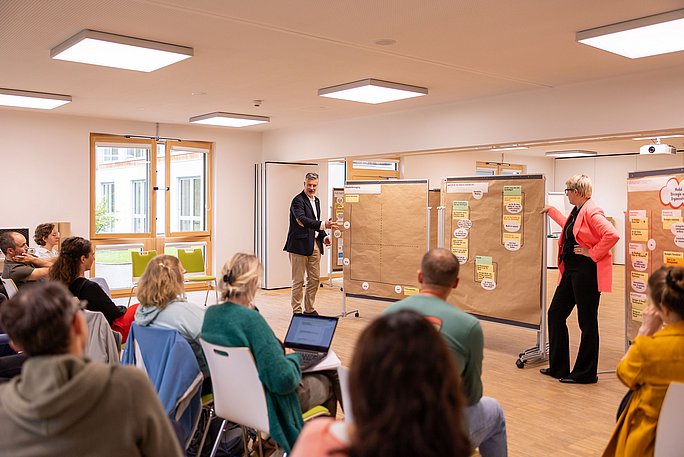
(46, 237)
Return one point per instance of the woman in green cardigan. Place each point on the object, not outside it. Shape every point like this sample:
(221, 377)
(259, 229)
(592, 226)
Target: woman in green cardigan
(237, 323)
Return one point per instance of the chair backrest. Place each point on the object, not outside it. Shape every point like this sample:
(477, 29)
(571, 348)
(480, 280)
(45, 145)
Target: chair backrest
(102, 282)
(669, 440)
(238, 393)
(101, 345)
(172, 367)
(343, 374)
(139, 261)
(10, 287)
(192, 260)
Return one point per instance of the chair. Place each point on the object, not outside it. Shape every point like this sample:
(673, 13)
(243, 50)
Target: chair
(139, 261)
(102, 344)
(195, 271)
(170, 363)
(102, 282)
(343, 375)
(239, 396)
(669, 440)
(10, 287)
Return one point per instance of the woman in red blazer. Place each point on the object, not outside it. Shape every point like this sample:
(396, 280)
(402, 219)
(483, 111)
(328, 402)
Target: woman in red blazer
(586, 270)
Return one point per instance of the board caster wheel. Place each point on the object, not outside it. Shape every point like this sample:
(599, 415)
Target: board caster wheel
(520, 363)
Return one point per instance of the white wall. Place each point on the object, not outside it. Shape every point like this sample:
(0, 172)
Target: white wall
(45, 167)
(609, 177)
(435, 167)
(637, 102)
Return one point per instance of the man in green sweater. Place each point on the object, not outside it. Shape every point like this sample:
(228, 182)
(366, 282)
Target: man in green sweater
(62, 404)
(438, 276)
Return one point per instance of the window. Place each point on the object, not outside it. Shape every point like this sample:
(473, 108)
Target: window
(190, 204)
(139, 205)
(106, 218)
(110, 154)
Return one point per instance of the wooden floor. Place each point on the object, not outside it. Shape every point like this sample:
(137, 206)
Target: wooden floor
(544, 417)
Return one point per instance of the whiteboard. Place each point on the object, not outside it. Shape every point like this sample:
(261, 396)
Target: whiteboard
(278, 183)
(557, 200)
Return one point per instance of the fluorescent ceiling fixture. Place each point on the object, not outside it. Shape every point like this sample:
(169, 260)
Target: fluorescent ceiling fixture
(229, 119)
(508, 148)
(26, 99)
(372, 91)
(118, 51)
(657, 137)
(647, 36)
(571, 153)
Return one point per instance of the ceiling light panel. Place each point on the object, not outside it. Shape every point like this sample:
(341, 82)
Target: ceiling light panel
(648, 36)
(118, 51)
(229, 119)
(27, 99)
(372, 91)
(571, 153)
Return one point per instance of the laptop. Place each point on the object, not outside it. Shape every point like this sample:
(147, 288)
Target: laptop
(310, 336)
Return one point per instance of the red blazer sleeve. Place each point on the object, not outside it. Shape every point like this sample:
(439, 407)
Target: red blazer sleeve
(558, 217)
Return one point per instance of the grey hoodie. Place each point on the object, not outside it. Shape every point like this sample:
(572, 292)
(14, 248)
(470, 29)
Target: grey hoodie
(63, 405)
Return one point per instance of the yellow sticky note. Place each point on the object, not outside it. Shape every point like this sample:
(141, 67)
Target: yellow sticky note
(484, 272)
(668, 221)
(673, 259)
(459, 243)
(639, 303)
(410, 290)
(638, 235)
(512, 203)
(351, 198)
(638, 223)
(512, 241)
(459, 214)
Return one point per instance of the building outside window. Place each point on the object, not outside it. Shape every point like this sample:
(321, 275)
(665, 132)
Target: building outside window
(139, 191)
(190, 207)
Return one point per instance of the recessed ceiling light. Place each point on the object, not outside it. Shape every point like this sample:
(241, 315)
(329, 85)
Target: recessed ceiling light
(385, 42)
(657, 137)
(647, 36)
(571, 153)
(372, 91)
(229, 119)
(118, 51)
(27, 99)
(508, 148)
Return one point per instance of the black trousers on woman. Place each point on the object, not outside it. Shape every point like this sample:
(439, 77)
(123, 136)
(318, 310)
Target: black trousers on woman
(578, 286)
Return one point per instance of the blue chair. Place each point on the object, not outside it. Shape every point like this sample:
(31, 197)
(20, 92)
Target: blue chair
(170, 363)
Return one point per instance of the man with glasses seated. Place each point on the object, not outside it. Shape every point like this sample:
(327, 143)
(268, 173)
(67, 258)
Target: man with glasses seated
(62, 404)
(20, 266)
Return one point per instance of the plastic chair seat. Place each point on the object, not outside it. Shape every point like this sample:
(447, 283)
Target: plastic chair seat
(200, 278)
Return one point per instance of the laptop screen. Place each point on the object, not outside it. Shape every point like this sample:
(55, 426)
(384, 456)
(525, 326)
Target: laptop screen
(313, 333)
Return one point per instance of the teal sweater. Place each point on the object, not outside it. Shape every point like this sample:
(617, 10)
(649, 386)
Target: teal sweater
(232, 325)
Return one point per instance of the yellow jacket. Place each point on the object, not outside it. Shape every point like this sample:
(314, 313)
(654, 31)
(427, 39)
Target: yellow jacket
(651, 364)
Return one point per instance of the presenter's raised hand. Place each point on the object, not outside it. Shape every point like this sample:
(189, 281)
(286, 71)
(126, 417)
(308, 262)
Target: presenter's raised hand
(329, 224)
(545, 210)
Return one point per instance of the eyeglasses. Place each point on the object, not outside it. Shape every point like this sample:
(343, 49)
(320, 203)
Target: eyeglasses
(569, 190)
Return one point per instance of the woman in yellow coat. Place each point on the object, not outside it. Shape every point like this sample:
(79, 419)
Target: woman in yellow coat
(655, 359)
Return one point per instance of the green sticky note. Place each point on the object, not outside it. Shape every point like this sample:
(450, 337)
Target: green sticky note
(512, 190)
(483, 260)
(460, 206)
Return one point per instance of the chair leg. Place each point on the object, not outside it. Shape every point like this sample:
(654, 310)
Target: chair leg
(245, 443)
(216, 290)
(210, 417)
(218, 438)
(206, 296)
(130, 295)
(261, 444)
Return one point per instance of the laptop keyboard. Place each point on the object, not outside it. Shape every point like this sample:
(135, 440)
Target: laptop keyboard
(310, 359)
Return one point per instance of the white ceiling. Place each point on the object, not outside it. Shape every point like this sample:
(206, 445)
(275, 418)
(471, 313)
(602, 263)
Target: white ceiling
(282, 52)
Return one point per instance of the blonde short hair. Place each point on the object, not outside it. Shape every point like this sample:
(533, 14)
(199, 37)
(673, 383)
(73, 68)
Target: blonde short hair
(162, 282)
(240, 277)
(580, 183)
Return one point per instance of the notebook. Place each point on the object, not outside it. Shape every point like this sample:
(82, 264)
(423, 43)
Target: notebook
(310, 336)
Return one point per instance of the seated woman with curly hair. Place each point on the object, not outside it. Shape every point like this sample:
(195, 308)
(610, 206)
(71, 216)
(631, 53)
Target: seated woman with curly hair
(46, 237)
(75, 258)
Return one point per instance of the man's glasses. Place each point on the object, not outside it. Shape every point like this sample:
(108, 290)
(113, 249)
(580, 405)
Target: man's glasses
(569, 190)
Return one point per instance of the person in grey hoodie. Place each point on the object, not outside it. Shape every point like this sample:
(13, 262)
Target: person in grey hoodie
(62, 404)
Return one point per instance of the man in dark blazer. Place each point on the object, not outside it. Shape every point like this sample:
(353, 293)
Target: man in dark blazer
(305, 239)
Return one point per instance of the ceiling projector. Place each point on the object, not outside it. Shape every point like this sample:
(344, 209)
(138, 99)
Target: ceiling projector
(657, 149)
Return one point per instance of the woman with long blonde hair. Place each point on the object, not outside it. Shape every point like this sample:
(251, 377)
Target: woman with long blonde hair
(163, 303)
(237, 323)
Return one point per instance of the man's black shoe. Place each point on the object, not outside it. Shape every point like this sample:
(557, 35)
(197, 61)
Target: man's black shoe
(569, 380)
